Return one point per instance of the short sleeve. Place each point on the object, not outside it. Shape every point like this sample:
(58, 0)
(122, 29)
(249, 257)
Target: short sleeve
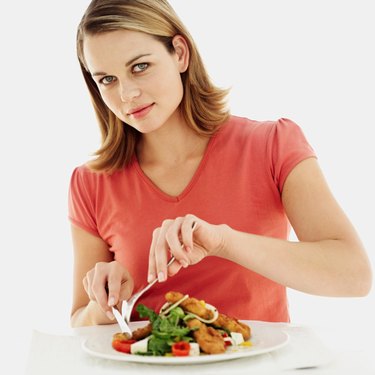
(287, 146)
(81, 201)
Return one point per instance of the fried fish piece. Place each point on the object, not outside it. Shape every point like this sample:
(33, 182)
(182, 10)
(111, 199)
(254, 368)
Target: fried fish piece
(121, 336)
(192, 305)
(142, 332)
(209, 340)
(138, 334)
(232, 325)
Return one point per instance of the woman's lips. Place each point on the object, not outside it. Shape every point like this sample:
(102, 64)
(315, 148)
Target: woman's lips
(141, 111)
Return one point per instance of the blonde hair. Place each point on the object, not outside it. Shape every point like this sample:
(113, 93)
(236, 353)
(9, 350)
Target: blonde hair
(203, 105)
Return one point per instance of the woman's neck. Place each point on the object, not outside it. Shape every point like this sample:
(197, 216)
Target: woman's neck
(171, 145)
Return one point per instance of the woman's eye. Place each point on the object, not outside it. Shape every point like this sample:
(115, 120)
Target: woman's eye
(107, 80)
(140, 67)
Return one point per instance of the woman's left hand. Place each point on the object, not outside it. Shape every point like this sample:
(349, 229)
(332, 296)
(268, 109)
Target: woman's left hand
(189, 239)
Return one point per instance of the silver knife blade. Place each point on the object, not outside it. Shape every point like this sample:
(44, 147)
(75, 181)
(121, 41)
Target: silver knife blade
(121, 322)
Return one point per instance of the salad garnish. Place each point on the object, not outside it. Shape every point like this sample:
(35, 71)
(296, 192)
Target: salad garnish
(184, 326)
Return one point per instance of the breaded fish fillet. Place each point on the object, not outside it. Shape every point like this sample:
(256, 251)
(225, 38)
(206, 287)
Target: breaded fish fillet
(190, 305)
(137, 334)
(142, 332)
(232, 325)
(210, 341)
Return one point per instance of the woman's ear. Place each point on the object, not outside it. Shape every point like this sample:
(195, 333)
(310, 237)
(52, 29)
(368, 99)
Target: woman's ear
(182, 52)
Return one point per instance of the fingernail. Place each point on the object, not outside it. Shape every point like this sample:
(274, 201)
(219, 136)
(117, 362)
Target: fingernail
(111, 301)
(110, 315)
(161, 276)
(150, 277)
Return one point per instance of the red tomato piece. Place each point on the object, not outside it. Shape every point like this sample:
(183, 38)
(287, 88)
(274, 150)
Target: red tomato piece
(226, 342)
(180, 349)
(122, 345)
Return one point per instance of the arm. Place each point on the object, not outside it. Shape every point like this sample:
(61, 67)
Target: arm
(94, 268)
(329, 258)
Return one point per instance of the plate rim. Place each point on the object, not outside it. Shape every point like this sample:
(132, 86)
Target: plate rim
(209, 358)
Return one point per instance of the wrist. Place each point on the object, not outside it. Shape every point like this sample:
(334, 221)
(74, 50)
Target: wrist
(222, 249)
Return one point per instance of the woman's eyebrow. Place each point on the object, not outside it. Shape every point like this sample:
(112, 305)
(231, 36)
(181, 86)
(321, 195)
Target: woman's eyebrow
(136, 58)
(127, 64)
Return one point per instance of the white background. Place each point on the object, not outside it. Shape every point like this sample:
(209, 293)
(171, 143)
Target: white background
(311, 61)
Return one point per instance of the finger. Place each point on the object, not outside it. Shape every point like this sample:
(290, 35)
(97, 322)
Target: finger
(98, 287)
(174, 268)
(113, 288)
(173, 235)
(161, 251)
(188, 226)
(151, 258)
(126, 289)
(87, 285)
(120, 285)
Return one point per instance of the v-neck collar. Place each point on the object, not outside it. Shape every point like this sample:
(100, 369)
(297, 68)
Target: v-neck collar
(189, 186)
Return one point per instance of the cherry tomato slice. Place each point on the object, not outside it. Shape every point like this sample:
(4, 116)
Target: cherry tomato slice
(181, 349)
(122, 345)
(227, 343)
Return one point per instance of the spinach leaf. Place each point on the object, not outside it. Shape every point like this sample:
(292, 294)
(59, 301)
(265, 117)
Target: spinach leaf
(145, 312)
(158, 346)
(165, 329)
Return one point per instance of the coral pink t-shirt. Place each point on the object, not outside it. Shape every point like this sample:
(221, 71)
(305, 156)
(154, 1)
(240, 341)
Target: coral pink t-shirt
(238, 182)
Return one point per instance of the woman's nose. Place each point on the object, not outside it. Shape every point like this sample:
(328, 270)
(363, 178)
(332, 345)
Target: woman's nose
(128, 92)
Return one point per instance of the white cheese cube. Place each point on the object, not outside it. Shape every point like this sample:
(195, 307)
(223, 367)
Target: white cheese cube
(139, 346)
(237, 338)
(194, 349)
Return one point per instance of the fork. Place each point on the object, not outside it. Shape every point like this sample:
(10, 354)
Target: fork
(127, 306)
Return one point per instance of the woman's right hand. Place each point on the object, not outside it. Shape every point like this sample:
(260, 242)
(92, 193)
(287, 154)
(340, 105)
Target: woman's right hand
(189, 239)
(108, 283)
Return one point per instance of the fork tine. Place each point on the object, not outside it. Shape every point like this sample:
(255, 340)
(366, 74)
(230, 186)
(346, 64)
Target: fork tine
(127, 306)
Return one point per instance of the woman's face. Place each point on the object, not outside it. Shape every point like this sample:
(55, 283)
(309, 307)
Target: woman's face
(138, 79)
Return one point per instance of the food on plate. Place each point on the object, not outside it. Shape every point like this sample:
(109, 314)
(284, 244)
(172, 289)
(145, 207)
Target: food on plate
(209, 339)
(232, 325)
(191, 305)
(195, 306)
(185, 326)
(123, 345)
(142, 332)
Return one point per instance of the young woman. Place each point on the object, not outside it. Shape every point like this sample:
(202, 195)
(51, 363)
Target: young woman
(178, 175)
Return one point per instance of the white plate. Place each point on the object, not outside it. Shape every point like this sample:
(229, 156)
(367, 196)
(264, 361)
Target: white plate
(264, 339)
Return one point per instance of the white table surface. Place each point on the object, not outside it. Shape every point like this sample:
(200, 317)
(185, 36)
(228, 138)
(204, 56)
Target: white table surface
(310, 350)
